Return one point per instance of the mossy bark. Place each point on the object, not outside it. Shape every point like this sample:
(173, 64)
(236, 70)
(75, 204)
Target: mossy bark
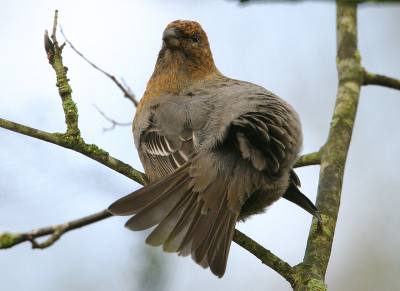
(334, 152)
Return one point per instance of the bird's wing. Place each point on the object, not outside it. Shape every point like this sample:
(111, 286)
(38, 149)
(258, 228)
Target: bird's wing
(266, 140)
(167, 153)
(278, 149)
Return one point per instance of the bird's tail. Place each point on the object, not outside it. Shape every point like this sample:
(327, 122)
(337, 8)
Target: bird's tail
(182, 227)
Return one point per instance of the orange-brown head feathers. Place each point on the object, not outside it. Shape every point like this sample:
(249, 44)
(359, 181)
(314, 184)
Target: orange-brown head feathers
(185, 50)
(187, 29)
(185, 59)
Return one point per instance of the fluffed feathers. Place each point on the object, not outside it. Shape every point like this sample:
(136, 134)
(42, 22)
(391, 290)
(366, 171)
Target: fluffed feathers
(217, 150)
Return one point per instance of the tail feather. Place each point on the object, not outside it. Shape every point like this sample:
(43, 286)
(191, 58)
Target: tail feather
(185, 247)
(185, 223)
(162, 232)
(175, 240)
(205, 242)
(218, 254)
(157, 210)
(138, 200)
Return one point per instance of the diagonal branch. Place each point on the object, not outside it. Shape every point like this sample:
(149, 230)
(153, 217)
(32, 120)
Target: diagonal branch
(127, 91)
(77, 144)
(268, 258)
(8, 240)
(371, 79)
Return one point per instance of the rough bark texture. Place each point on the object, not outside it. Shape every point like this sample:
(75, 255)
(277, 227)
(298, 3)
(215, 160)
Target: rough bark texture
(334, 152)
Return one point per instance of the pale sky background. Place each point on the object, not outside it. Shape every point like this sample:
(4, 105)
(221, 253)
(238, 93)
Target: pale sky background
(290, 49)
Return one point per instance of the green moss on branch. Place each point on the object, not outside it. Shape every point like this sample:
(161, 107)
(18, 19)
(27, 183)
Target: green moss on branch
(54, 54)
(371, 79)
(334, 152)
(77, 144)
(308, 160)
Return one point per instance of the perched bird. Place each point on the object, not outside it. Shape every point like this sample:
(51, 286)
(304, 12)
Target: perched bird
(216, 151)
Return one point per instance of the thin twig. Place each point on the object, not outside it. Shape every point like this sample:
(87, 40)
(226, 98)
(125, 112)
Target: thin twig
(53, 35)
(127, 92)
(371, 79)
(130, 93)
(114, 123)
(8, 240)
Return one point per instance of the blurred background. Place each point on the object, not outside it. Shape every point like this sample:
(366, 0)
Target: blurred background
(288, 48)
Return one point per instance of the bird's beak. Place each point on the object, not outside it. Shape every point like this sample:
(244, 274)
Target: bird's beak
(170, 38)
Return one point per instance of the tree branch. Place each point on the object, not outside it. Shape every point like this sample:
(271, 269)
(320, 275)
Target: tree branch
(77, 144)
(268, 258)
(334, 152)
(55, 59)
(8, 240)
(371, 79)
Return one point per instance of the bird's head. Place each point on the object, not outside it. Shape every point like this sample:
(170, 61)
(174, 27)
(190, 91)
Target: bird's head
(185, 35)
(186, 50)
(185, 60)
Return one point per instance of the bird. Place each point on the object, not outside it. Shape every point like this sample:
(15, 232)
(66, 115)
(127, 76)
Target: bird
(216, 151)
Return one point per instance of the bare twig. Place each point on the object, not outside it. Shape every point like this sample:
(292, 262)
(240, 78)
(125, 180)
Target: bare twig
(8, 240)
(127, 91)
(114, 123)
(371, 79)
(53, 35)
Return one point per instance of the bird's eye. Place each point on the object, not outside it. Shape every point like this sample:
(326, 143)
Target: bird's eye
(195, 38)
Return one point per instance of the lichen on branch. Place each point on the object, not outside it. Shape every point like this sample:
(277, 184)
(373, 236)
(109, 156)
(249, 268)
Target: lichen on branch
(371, 79)
(334, 153)
(54, 54)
